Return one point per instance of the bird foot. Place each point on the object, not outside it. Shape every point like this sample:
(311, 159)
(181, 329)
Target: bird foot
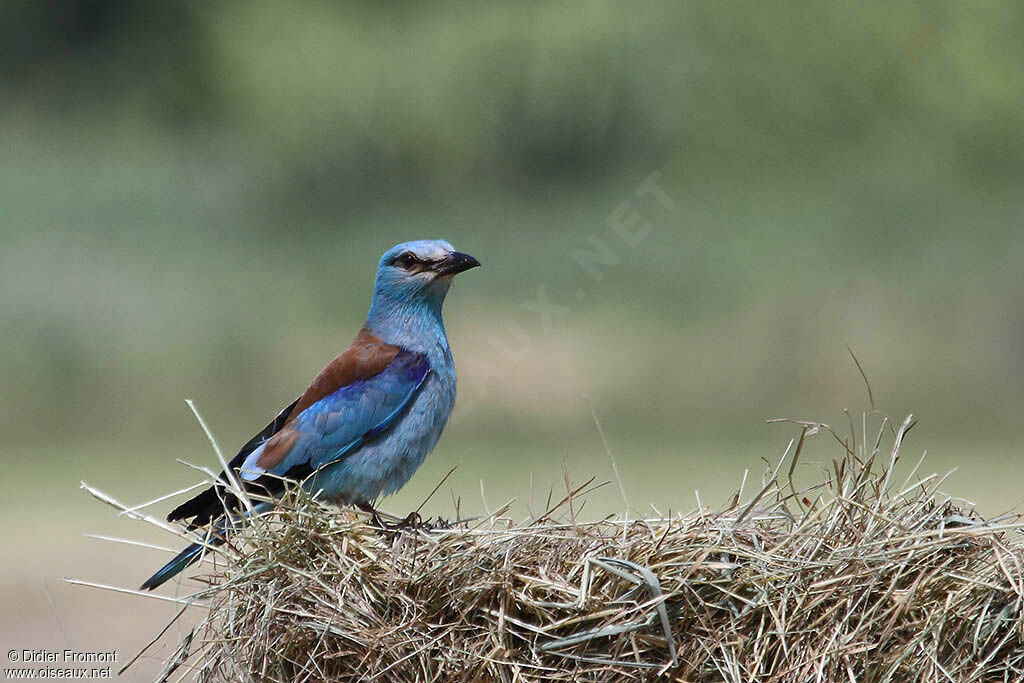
(411, 521)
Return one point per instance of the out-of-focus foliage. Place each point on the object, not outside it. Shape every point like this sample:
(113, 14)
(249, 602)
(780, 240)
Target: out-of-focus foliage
(92, 57)
(194, 195)
(441, 95)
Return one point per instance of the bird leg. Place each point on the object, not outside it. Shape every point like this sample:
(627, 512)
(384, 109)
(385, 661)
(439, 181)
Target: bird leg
(411, 521)
(375, 520)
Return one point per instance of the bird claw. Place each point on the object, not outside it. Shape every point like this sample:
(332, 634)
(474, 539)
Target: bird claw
(411, 521)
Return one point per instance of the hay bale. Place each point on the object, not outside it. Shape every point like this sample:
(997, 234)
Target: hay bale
(859, 578)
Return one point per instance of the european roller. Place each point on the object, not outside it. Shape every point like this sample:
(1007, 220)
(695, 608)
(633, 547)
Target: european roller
(368, 420)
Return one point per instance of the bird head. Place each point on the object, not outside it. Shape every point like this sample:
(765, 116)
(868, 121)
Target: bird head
(420, 271)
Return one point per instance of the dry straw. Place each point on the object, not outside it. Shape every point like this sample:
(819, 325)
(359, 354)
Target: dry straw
(864, 576)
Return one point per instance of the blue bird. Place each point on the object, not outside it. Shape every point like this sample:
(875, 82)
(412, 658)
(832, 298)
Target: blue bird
(368, 420)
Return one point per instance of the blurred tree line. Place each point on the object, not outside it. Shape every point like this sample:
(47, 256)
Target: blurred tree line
(428, 96)
(188, 188)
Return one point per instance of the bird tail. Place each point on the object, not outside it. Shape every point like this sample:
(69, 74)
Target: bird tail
(216, 535)
(182, 560)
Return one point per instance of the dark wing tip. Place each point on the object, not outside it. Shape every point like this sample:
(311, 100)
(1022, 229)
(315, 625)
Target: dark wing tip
(202, 508)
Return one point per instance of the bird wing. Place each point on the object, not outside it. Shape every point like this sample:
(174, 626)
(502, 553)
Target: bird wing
(340, 422)
(354, 398)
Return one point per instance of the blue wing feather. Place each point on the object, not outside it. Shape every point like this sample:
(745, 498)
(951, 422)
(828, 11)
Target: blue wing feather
(341, 422)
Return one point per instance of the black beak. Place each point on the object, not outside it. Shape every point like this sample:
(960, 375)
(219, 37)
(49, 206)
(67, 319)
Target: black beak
(455, 262)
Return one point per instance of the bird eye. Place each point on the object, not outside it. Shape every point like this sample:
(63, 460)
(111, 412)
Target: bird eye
(406, 260)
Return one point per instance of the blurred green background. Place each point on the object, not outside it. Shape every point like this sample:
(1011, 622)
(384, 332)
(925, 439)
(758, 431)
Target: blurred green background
(193, 198)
